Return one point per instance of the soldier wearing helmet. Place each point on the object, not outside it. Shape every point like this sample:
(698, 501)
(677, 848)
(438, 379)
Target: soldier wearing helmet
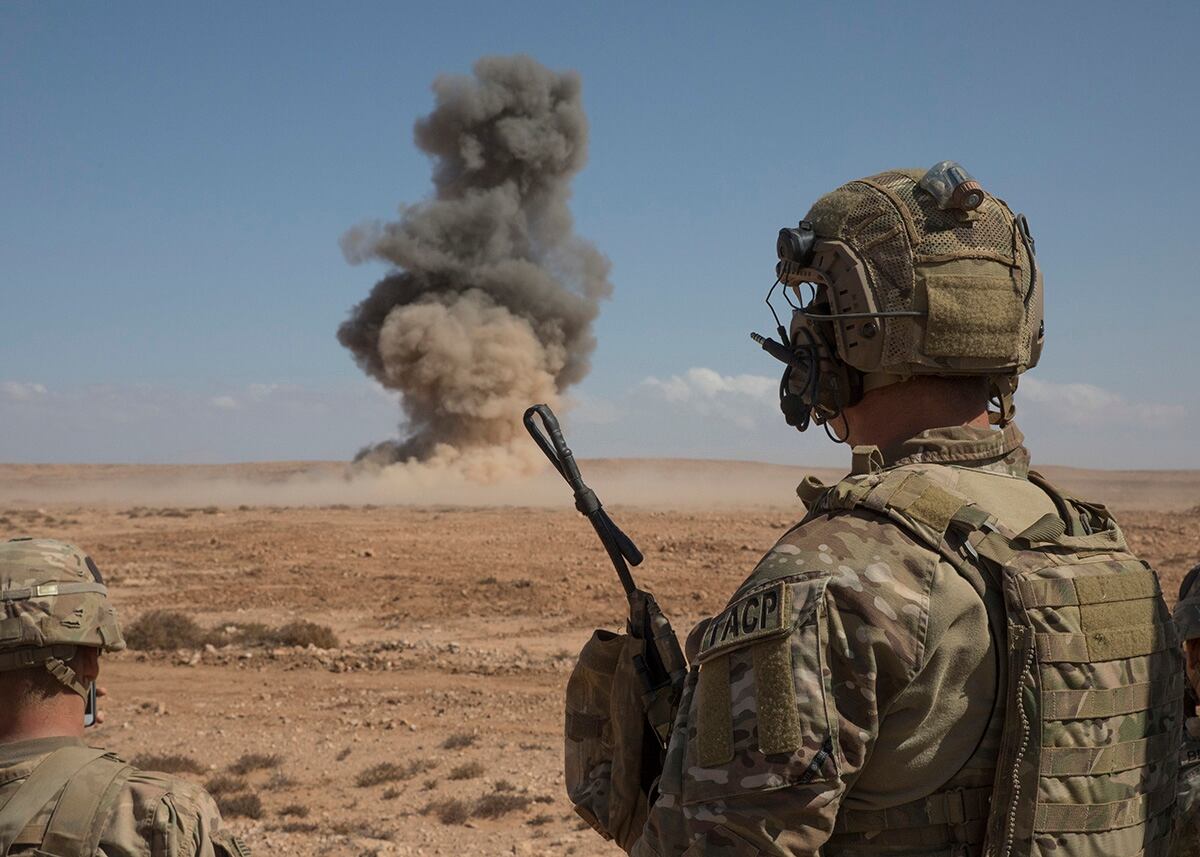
(1187, 620)
(947, 655)
(58, 796)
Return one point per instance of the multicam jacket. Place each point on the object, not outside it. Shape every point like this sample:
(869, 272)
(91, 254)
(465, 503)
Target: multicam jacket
(850, 678)
(1187, 826)
(139, 813)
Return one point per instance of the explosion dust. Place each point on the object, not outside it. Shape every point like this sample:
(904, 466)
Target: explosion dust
(491, 303)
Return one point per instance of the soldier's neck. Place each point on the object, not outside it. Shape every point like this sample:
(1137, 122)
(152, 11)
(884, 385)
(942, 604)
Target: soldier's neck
(60, 717)
(888, 416)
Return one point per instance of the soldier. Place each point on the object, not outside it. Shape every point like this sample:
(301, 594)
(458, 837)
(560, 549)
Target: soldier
(59, 797)
(1187, 620)
(947, 655)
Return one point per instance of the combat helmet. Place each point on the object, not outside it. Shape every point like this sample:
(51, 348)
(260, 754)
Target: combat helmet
(54, 600)
(1187, 608)
(911, 273)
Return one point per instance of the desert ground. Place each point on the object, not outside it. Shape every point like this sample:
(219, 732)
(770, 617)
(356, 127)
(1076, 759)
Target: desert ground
(432, 724)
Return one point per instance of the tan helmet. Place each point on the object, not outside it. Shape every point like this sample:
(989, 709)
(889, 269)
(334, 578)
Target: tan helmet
(912, 273)
(1187, 608)
(54, 600)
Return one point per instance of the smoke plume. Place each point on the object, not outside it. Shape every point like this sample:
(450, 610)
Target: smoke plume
(491, 303)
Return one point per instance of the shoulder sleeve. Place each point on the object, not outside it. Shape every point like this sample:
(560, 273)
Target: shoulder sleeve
(784, 696)
(172, 817)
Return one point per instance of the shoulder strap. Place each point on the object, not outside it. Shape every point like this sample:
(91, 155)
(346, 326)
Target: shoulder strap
(39, 788)
(83, 810)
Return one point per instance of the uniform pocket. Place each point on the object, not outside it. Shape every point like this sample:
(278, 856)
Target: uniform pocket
(720, 841)
(606, 750)
(761, 715)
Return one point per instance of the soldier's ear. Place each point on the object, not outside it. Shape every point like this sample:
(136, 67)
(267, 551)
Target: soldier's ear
(87, 664)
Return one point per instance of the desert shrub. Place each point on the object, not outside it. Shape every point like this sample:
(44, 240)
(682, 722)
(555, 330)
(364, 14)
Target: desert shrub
(248, 762)
(343, 754)
(466, 771)
(503, 786)
(449, 811)
(278, 780)
(359, 827)
(164, 630)
(244, 805)
(459, 741)
(389, 772)
(303, 633)
(391, 793)
(299, 633)
(540, 819)
(294, 810)
(170, 629)
(497, 804)
(168, 763)
(299, 827)
(223, 784)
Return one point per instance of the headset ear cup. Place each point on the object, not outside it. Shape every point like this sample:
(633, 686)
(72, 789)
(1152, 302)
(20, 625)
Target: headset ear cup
(793, 409)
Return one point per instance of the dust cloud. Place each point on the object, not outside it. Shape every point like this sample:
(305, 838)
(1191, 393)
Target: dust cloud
(648, 483)
(492, 298)
(666, 484)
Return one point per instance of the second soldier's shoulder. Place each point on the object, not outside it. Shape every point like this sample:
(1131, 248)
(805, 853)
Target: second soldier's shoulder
(146, 791)
(158, 808)
(187, 795)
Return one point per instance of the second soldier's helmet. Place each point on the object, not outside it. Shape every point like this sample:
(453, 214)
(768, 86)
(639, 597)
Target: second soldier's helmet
(912, 273)
(54, 600)
(1187, 608)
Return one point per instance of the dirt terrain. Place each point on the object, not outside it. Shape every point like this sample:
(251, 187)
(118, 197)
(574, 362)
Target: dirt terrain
(456, 627)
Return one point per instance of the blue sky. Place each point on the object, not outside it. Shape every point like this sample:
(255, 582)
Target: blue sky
(176, 178)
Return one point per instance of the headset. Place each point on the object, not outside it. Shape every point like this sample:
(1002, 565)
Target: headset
(817, 384)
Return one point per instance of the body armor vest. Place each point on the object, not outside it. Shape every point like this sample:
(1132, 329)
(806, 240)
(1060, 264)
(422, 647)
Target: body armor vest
(82, 785)
(1080, 757)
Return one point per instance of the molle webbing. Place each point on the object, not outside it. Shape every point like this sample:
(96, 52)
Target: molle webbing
(1078, 761)
(1087, 763)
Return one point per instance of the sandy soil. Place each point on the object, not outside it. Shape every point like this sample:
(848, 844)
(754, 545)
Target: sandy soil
(453, 621)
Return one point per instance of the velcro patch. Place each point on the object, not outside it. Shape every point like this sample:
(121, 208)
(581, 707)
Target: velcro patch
(10, 629)
(757, 616)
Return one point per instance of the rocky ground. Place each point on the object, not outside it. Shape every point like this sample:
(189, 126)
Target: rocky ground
(432, 725)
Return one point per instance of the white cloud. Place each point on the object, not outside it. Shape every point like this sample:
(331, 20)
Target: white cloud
(1085, 404)
(19, 391)
(739, 399)
(700, 383)
(225, 403)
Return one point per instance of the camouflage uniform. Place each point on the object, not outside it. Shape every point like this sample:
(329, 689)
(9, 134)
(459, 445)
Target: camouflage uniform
(1187, 620)
(58, 797)
(882, 694)
(152, 813)
(947, 656)
(1187, 831)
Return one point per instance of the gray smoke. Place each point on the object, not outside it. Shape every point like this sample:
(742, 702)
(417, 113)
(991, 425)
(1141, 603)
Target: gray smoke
(491, 303)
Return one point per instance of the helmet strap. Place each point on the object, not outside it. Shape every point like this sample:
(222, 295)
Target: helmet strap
(1001, 390)
(67, 676)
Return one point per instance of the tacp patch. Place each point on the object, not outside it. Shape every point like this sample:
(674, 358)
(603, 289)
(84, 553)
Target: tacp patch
(757, 616)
